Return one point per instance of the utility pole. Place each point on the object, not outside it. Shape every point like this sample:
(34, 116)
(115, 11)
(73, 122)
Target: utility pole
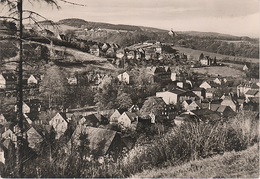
(19, 97)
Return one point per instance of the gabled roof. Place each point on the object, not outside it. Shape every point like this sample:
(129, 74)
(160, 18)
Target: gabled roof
(252, 92)
(197, 89)
(223, 109)
(207, 115)
(33, 103)
(32, 116)
(188, 101)
(130, 115)
(121, 111)
(99, 139)
(10, 116)
(63, 115)
(43, 130)
(177, 91)
(189, 94)
(254, 86)
(229, 98)
(9, 76)
(98, 117)
(157, 100)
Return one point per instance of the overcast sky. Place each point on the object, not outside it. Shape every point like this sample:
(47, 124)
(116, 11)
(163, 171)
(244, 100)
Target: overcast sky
(236, 17)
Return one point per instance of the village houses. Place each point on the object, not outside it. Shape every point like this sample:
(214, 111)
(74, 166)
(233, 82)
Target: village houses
(114, 117)
(38, 133)
(176, 95)
(7, 81)
(127, 118)
(101, 141)
(125, 77)
(251, 94)
(60, 124)
(189, 105)
(200, 92)
(245, 68)
(230, 101)
(244, 87)
(160, 74)
(33, 80)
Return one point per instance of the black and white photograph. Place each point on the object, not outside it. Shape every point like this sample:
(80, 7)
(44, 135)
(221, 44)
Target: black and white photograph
(129, 88)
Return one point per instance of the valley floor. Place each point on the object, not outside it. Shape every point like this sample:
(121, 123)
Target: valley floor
(244, 164)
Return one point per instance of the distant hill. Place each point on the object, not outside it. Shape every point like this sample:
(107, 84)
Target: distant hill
(89, 25)
(75, 22)
(126, 35)
(206, 34)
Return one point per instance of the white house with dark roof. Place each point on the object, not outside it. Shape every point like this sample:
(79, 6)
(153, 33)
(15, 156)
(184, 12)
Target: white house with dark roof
(245, 68)
(229, 101)
(217, 81)
(124, 77)
(127, 118)
(200, 92)
(60, 124)
(176, 95)
(7, 80)
(26, 108)
(244, 87)
(205, 85)
(210, 92)
(116, 114)
(33, 80)
(189, 105)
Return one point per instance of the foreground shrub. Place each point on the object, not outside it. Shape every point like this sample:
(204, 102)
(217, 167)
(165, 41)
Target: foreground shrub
(190, 141)
(243, 131)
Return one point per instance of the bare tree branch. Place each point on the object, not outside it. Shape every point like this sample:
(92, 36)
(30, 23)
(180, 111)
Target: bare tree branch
(72, 3)
(5, 17)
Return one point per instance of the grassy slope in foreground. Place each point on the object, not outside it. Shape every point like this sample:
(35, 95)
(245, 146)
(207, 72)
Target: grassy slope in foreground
(196, 54)
(244, 164)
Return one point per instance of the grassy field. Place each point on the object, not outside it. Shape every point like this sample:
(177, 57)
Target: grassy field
(243, 164)
(87, 60)
(224, 71)
(196, 54)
